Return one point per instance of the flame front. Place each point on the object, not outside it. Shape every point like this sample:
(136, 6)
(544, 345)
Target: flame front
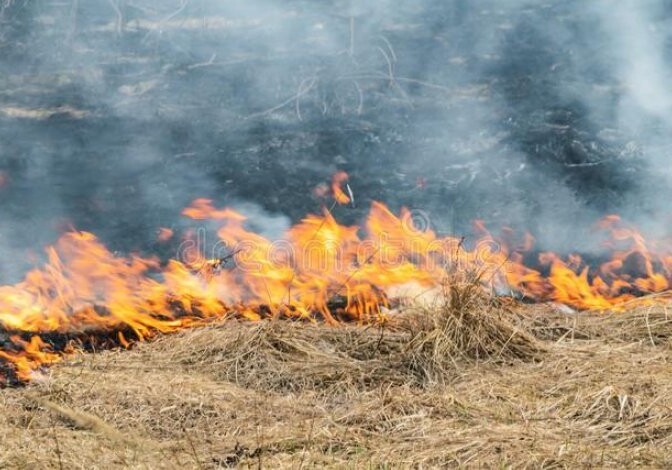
(85, 296)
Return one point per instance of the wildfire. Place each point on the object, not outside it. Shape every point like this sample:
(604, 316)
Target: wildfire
(86, 297)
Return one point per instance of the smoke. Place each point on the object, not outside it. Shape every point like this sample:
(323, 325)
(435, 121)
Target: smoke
(544, 116)
(640, 38)
(642, 56)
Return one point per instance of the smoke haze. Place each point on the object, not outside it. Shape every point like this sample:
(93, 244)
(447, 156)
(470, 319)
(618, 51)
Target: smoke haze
(115, 114)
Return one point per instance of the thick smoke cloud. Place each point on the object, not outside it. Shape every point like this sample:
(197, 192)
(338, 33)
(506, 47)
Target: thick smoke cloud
(114, 114)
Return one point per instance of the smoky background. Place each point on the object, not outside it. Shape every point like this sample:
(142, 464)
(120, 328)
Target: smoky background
(539, 115)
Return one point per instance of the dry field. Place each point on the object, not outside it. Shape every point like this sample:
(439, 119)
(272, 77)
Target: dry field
(466, 383)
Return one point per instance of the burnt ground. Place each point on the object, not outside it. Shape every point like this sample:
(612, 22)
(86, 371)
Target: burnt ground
(111, 122)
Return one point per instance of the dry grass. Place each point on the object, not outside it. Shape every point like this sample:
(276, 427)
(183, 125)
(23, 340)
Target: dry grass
(464, 383)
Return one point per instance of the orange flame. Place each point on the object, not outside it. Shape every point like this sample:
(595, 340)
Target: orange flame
(337, 181)
(85, 296)
(164, 234)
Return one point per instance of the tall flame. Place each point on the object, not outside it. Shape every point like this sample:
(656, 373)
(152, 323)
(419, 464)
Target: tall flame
(85, 296)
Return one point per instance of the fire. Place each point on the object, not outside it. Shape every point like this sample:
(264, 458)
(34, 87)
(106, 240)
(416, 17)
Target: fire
(338, 180)
(164, 234)
(86, 297)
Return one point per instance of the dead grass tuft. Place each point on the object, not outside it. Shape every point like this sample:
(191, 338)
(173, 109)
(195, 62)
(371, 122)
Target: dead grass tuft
(465, 325)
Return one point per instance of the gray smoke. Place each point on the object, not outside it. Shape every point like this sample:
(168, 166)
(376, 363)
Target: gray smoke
(544, 116)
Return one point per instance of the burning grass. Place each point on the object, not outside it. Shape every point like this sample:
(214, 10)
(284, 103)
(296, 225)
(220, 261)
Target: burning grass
(465, 381)
(291, 365)
(86, 296)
